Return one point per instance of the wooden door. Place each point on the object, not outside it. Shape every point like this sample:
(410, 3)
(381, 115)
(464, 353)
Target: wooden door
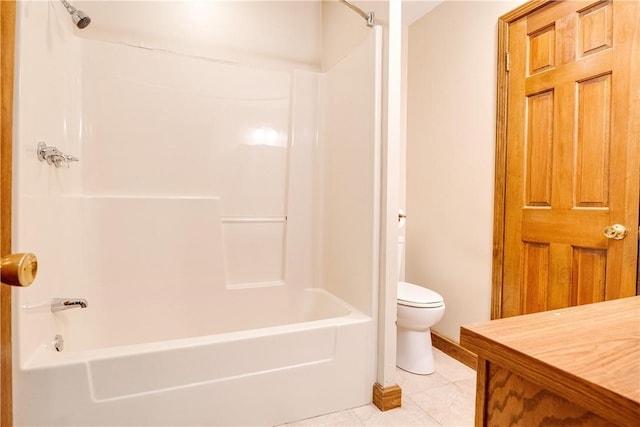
(571, 126)
(7, 25)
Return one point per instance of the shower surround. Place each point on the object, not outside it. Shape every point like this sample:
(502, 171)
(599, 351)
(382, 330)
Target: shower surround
(222, 224)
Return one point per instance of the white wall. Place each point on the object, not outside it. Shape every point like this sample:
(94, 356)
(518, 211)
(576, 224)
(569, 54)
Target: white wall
(350, 142)
(450, 156)
(230, 129)
(338, 39)
(260, 32)
(411, 11)
(45, 211)
(177, 120)
(343, 29)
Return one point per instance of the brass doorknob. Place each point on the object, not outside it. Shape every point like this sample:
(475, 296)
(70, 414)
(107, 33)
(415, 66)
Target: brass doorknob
(18, 269)
(615, 232)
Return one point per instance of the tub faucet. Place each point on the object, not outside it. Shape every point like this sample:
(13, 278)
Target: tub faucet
(59, 304)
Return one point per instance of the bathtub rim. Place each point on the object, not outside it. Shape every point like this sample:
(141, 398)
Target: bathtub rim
(45, 355)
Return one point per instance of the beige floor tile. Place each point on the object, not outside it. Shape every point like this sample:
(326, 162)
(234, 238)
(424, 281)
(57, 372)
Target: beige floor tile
(337, 419)
(450, 405)
(468, 385)
(407, 415)
(450, 368)
(413, 383)
(444, 398)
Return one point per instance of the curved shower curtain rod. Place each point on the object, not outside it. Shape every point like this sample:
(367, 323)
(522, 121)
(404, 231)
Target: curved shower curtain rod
(368, 16)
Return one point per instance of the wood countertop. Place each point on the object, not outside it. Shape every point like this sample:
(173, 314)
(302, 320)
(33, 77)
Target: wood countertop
(590, 354)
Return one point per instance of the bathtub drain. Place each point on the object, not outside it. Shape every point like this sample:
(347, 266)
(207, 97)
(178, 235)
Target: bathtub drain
(58, 342)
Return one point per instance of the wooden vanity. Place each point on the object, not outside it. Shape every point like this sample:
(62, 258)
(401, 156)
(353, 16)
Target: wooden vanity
(573, 366)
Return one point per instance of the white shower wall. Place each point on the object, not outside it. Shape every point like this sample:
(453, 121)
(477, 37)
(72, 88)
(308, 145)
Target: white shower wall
(266, 33)
(351, 199)
(197, 174)
(164, 125)
(45, 217)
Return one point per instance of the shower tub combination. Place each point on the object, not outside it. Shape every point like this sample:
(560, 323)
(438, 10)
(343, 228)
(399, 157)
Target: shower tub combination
(309, 361)
(165, 339)
(229, 273)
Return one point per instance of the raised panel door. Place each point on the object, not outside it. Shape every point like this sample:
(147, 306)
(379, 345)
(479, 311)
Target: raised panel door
(572, 137)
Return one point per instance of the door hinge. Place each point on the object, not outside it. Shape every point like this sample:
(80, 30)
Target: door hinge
(507, 61)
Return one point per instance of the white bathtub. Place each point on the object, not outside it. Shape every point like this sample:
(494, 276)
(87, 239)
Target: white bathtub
(314, 357)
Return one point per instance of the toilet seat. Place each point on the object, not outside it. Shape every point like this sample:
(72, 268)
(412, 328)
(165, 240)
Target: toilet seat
(416, 296)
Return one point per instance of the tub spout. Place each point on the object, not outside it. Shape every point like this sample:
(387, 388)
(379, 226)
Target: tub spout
(59, 304)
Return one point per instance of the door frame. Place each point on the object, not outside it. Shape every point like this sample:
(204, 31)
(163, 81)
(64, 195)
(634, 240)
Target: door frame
(7, 51)
(500, 185)
(501, 153)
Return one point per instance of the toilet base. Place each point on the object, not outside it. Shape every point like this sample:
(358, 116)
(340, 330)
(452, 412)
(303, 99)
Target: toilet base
(414, 352)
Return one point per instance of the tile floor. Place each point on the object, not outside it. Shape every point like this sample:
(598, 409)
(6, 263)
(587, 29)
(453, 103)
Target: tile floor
(444, 398)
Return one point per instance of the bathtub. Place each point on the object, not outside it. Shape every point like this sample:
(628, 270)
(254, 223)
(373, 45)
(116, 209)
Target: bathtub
(315, 356)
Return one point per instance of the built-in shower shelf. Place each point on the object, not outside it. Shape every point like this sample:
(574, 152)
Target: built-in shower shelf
(252, 219)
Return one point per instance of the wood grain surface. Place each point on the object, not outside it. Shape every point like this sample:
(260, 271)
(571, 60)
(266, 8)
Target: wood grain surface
(7, 48)
(588, 355)
(514, 401)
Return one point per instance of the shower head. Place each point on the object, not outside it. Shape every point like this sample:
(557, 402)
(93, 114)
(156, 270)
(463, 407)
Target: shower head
(79, 18)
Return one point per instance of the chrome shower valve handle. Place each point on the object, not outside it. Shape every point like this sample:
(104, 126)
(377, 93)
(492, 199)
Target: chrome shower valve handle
(61, 158)
(53, 156)
(60, 304)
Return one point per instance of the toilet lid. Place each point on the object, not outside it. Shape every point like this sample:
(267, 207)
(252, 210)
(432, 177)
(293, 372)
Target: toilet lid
(417, 296)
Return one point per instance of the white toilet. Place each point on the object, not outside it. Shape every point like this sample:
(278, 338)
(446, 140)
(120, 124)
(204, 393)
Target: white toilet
(418, 309)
